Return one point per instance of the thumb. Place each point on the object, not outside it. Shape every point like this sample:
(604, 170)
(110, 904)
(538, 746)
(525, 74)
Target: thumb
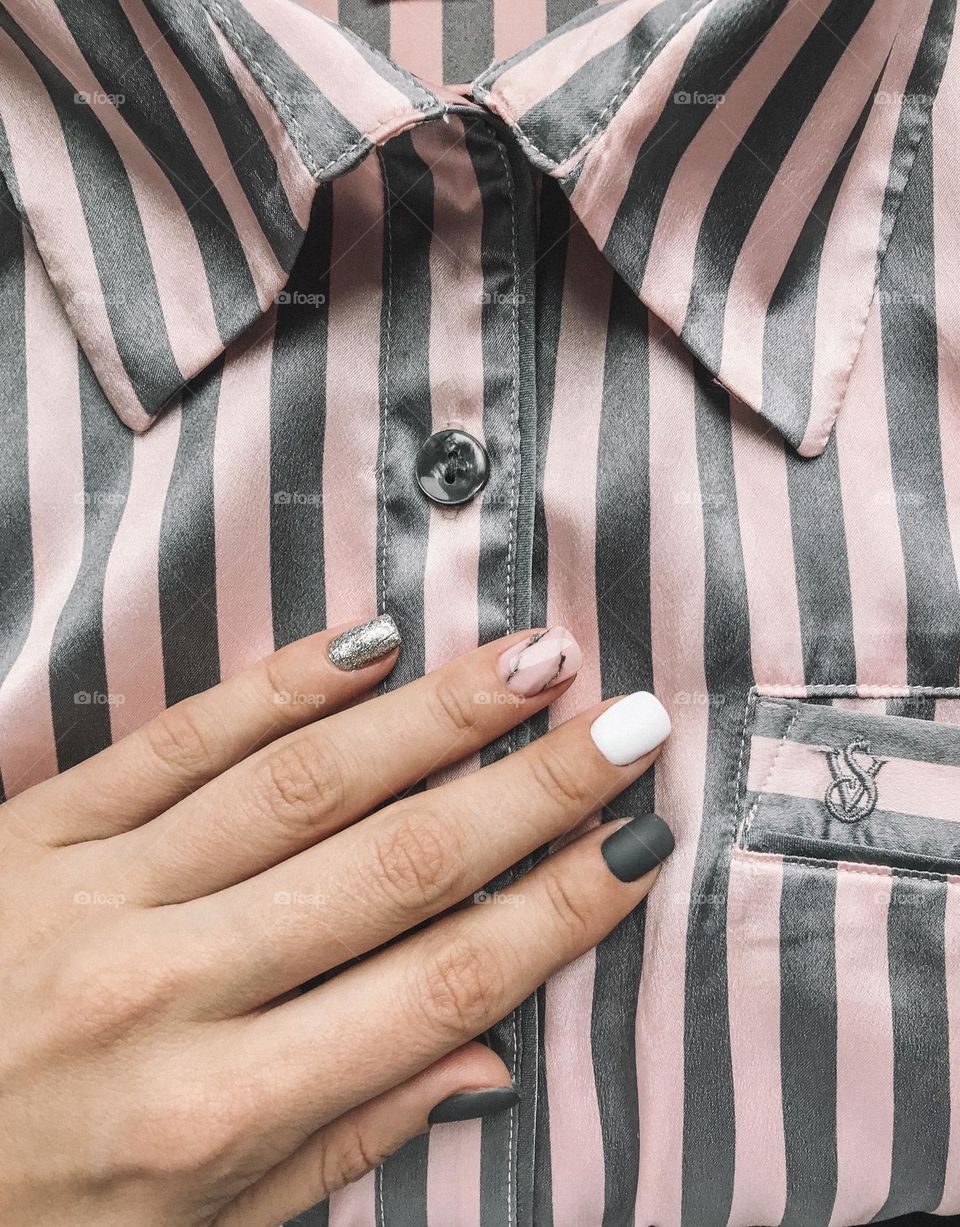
(468, 1083)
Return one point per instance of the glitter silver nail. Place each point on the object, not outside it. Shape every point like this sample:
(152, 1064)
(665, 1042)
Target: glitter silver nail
(362, 645)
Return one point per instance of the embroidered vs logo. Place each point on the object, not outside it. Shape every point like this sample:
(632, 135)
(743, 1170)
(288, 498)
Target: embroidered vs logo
(852, 796)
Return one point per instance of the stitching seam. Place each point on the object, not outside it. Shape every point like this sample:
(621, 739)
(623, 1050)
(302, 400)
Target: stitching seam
(388, 331)
(743, 821)
(754, 809)
(514, 387)
(485, 93)
(883, 244)
(873, 690)
(879, 871)
(516, 1056)
(874, 849)
(739, 818)
(276, 100)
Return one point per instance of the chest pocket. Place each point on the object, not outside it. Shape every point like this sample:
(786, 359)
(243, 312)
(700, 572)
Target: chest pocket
(843, 954)
(852, 779)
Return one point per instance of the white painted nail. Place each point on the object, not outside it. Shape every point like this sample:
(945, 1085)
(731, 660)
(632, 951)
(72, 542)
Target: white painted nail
(633, 727)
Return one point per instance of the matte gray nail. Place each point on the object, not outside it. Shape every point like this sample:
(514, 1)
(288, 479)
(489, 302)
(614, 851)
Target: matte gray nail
(639, 846)
(362, 645)
(468, 1105)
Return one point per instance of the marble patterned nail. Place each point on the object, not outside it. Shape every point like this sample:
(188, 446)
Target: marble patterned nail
(362, 645)
(539, 662)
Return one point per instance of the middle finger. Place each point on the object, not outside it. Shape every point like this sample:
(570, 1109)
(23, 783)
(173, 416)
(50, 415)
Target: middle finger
(419, 857)
(319, 779)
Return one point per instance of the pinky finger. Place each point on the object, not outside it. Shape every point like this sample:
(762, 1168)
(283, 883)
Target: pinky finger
(469, 1083)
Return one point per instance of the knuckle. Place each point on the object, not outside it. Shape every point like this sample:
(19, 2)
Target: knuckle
(457, 711)
(568, 914)
(282, 687)
(417, 863)
(197, 1132)
(462, 988)
(299, 783)
(349, 1155)
(273, 674)
(561, 783)
(97, 999)
(182, 742)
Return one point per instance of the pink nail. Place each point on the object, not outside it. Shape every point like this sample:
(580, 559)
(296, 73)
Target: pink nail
(537, 663)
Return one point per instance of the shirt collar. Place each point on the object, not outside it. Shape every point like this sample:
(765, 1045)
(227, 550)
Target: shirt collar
(749, 216)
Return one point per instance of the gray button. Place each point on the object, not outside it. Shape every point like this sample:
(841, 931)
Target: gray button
(451, 467)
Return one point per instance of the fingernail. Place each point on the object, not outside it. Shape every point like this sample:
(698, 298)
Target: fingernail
(468, 1105)
(540, 661)
(630, 728)
(639, 846)
(362, 645)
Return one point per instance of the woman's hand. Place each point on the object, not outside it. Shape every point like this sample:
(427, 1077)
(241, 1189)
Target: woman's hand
(162, 902)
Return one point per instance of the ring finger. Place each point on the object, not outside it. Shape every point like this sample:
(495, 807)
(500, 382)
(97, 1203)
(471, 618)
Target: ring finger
(422, 855)
(402, 1009)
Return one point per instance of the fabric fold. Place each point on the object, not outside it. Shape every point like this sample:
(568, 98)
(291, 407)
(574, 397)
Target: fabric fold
(167, 178)
(741, 167)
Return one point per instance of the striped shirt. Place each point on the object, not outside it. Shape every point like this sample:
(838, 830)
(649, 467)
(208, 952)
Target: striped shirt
(687, 269)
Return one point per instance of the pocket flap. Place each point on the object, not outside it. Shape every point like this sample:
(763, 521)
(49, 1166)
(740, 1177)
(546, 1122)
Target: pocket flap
(844, 783)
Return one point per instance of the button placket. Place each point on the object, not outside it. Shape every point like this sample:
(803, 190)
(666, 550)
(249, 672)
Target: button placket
(457, 482)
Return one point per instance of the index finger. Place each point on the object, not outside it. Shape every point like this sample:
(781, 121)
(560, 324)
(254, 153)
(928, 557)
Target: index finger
(316, 781)
(192, 742)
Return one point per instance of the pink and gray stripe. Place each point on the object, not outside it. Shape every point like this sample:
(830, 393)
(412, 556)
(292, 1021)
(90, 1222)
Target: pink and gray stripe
(687, 269)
